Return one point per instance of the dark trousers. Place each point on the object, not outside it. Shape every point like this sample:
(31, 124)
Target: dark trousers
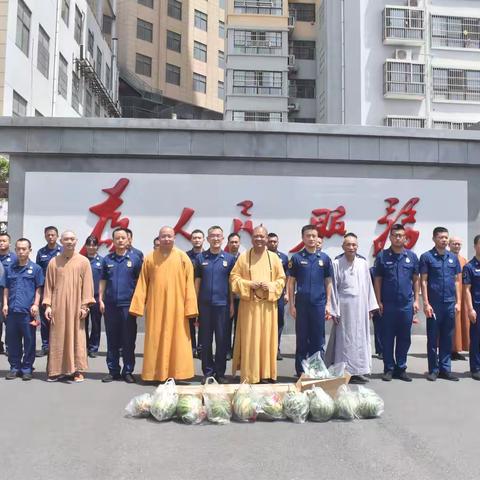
(232, 324)
(310, 332)
(440, 336)
(213, 322)
(377, 333)
(95, 319)
(121, 330)
(475, 343)
(196, 345)
(396, 336)
(2, 319)
(20, 338)
(44, 328)
(281, 318)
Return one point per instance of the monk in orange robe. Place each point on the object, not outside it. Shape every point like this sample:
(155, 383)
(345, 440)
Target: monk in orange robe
(165, 294)
(461, 337)
(258, 278)
(67, 295)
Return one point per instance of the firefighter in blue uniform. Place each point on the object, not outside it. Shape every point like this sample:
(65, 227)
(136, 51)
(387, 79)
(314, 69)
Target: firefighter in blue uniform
(212, 272)
(131, 248)
(272, 245)
(397, 289)
(44, 255)
(120, 273)
(309, 293)
(377, 324)
(7, 258)
(23, 282)
(471, 282)
(441, 282)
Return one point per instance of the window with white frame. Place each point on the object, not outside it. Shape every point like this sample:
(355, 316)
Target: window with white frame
(404, 78)
(257, 82)
(403, 23)
(303, 49)
(90, 42)
(456, 84)
(261, 7)
(303, 12)
(174, 41)
(43, 52)
(200, 51)
(144, 30)
(77, 33)
(201, 20)
(405, 122)
(174, 9)
(172, 74)
(221, 90)
(76, 100)
(146, 3)
(108, 76)
(88, 103)
(445, 125)
(143, 65)
(221, 59)
(302, 88)
(246, 116)
(62, 76)
(98, 65)
(257, 42)
(221, 29)
(24, 16)
(66, 11)
(19, 105)
(199, 83)
(455, 32)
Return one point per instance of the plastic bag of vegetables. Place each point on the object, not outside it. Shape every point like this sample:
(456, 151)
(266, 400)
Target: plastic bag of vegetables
(314, 367)
(164, 401)
(245, 404)
(370, 405)
(271, 406)
(296, 406)
(322, 406)
(190, 409)
(218, 405)
(346, 403)
(139, 406)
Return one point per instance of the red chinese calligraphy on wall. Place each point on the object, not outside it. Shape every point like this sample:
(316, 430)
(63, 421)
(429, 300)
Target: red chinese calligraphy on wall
(406, 215)
(239, 224)
(185, 216)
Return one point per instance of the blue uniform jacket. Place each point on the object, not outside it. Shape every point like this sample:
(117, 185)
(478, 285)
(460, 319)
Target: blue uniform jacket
(471, 276)
(45, 254)
(96, 263)
(136, 251)
(22, 281)
(8, 259)
(193, 255)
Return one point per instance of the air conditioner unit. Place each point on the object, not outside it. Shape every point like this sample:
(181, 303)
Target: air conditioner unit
(293, 107)
(403, 54)
(413, 3)
(291, 60)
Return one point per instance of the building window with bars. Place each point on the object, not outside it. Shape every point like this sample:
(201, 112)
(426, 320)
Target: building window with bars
(62, 76)
(98, 66)
(199, 83)
(257, 42)
(403, 23)
(108, 76)
(88, 103)
(174, 41)
(303, 49)
(221, 90)
(200, 51)
(302, 88)
(257, 82)
(77, 33)
(43, 52)
(455, 32)
(75, 92)
(456, 84)
(445, 125)
(404, 78)
(143, 65)
(261, 7)
(201, 20)
(303, 120)
(303, 12)
(66, 11)
(19, 105)
(90, 43)
(245, 116)
(146, 3)
(175, 9)
(172, 74)
(221, 59)
(405, 122)
(144, 30)
(24, 16)
(221, 29)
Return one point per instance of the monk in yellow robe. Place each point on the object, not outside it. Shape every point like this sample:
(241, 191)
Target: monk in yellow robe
(258, 278)
(67, 295)
(165, 294)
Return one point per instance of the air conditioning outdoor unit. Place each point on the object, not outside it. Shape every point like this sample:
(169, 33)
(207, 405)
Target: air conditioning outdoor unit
(403, 54)
(413, 3)
(291, 60)
(293, 107)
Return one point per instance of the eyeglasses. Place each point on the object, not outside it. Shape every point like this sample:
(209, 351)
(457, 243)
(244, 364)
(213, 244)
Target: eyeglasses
(397, 235)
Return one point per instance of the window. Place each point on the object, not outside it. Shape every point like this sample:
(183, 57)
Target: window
(146, 3)
(221, 4)
(403, 23)
(221, 59)
(272, 7)
(97, 108)
(174, 41)
(62, 77)
(404, 78)
(239, 116)
(91, 42)
(19, 105)
(77, 34)
(257, 82)
(66, 11)
(108, 76)
(201, 20)
(98, 66)
(257, 42)
(303, 50)
(456, 85)
(144, 30)
(221, 90)
(107, 24)
(455, 32)
(24, 16)
(303, 12)
(199, 83)
(303, 120)
(88, 103)
(405, 122)
(451, 125)
(175, 9)
(143, 65)
(302, 88)
(172, 74)
(200, 51)
(221, 29)
(75, 91)
(43, 52)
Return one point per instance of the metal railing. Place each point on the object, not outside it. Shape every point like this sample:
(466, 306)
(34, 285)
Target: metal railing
(403, 23)
(404, 78)
(455, 32)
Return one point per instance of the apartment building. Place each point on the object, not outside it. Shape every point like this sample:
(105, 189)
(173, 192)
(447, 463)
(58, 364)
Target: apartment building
(172, 58)
(57, 58)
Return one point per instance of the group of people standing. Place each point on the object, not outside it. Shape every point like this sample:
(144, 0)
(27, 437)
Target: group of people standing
(230, 294)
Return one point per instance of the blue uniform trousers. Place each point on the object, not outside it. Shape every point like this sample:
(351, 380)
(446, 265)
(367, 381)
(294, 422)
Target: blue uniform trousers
(20, 338)
(95, 318)
(475, 343)
(281, 318)
(121, 330)
(44, 328)
(310, 332)
(213, 320)
(396, 336)
(440, 335)
(377, 333)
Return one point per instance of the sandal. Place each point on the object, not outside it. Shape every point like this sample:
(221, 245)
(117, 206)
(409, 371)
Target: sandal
(78, 377)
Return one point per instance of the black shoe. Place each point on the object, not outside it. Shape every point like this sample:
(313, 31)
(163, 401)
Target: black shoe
(26, 377)
(448, 376)
(42, 353)
(431, 377)
(92, 354)
(195, 353)
(272, 380)
(458, 356)
(387, 376)
(279, 356)
(264, 381)
(476, 375)
(129, 378)
(221, 380)
(204, 380)
(380, 356)
(11, 375)
(110, 378)
(403, 376)
(358, 380)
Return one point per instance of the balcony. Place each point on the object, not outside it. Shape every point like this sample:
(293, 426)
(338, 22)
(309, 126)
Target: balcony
(403, 26)
(404, 80)
(292, 64)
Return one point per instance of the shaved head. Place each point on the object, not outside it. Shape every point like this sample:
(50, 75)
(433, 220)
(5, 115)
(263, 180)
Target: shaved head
(455, 244)
(68, 233)
(259, 229)
(166, 229)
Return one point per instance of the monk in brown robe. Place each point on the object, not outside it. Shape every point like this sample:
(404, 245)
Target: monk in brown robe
(67, 295)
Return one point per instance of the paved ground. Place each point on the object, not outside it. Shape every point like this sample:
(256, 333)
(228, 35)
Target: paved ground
(57, 431)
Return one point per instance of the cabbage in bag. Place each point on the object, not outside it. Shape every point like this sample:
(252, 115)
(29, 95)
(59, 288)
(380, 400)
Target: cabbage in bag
(190, 409)
(322, 406)
(370, 405)
(296, 406)
(218, 405)
(245, 404)
(164, 401)
(139, 406)
(314, 367)
(271, 406)
(346, 403)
